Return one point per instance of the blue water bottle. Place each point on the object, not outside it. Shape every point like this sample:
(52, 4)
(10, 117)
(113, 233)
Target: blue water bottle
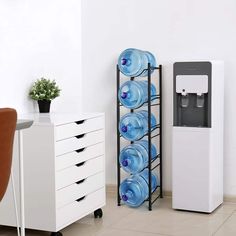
(133, 126)
(134, 189)
(133, 94)
(134, 62)
(134, 158)
(151, 60)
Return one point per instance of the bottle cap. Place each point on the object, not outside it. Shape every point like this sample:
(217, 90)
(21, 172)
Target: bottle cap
(125, 162)
(123, 61)
(124, 198)
(124, 128)
(124, 95)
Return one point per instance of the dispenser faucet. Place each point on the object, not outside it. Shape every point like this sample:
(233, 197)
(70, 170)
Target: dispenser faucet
(184, 99)
(200, 100)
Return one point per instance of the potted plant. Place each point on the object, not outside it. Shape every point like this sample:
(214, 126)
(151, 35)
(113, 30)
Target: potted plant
(43, 91)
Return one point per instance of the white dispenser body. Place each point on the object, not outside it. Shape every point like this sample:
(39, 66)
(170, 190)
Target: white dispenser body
(197, 152)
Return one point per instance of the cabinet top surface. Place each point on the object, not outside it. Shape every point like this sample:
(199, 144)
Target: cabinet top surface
(58, 118)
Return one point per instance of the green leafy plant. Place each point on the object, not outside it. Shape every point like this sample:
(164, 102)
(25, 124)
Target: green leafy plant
(44, 89)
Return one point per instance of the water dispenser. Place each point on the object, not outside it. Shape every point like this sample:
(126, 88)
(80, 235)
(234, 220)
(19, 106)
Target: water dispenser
(197, 138)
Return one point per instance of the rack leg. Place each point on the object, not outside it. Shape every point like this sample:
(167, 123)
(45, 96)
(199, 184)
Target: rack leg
(149, 141)
(160, 93)
(150, 207)
(118, 133)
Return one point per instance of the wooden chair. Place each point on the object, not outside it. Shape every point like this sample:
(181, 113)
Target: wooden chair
(8, 117)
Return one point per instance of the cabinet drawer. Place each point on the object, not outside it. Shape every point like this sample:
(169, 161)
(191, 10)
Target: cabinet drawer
(75, 173)
(75, 157)
(81, 141)
(80, 208)
(80, 189)
(79, 127)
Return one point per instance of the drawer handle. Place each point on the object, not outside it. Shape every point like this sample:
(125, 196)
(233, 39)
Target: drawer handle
(80, 164)
(80, 122)
(80, 182)
(80, 199)
(80, 136)
(80, 150)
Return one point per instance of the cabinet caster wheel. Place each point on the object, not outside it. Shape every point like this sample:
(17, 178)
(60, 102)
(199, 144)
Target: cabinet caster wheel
(56, 234)
(98, 213)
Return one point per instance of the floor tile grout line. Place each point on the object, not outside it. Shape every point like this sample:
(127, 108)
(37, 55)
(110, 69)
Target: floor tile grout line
(223, 223)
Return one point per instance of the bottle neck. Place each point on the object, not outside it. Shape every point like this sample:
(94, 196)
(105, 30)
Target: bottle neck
(126, 162)
(124, 95)
(125, 62)
(128, 195)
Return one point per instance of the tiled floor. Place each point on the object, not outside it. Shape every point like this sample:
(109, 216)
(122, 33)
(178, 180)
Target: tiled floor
(124, 221)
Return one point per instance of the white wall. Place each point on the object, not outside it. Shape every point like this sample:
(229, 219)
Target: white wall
(40, 38)
(173, 31)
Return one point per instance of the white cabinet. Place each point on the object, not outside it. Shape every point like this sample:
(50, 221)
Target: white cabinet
(64, 169)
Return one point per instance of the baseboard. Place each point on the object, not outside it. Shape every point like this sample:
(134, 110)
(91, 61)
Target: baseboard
(230, 198)
(112, 189)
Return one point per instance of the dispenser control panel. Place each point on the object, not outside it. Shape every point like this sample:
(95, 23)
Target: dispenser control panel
(192, 94)
(192, 84)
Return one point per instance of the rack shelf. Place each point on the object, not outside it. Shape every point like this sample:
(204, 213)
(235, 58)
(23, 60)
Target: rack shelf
(150, 136)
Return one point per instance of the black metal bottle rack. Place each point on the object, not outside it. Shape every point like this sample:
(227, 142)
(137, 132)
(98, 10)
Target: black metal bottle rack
(158, 97)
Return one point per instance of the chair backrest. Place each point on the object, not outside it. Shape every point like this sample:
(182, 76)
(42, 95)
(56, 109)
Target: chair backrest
(8, 118)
